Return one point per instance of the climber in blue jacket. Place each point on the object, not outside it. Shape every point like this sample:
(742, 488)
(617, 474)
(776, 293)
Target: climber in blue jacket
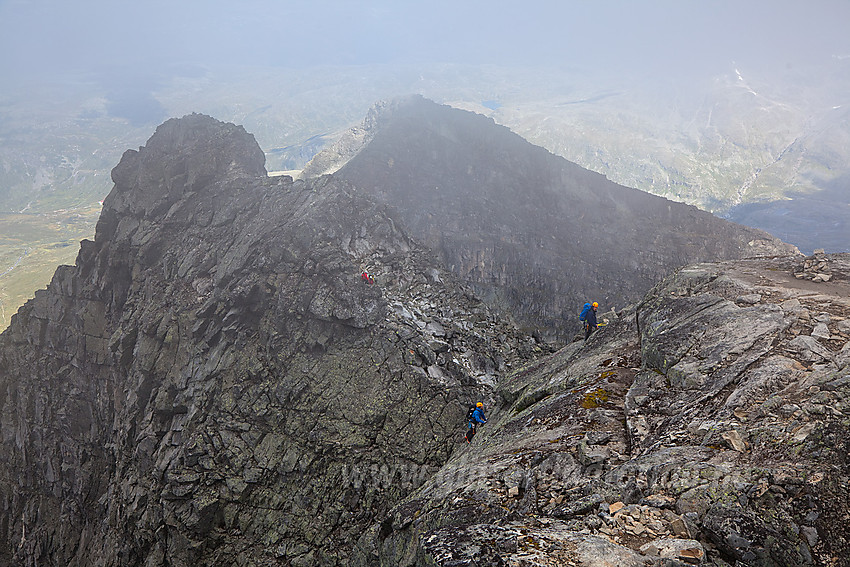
(590, 323)
(475, 419)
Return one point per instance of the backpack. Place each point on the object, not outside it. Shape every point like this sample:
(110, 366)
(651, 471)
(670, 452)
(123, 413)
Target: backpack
(587, 307)
(469, 413)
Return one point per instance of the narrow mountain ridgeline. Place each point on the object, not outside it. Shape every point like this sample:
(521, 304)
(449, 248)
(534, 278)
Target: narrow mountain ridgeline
(708, 425)
(531, 232)
(213, 384)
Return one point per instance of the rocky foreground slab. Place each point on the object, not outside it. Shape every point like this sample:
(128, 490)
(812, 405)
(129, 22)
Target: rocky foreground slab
(707, 425)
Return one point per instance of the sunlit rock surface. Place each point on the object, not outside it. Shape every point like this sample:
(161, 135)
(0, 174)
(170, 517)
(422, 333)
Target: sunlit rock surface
(706, 425)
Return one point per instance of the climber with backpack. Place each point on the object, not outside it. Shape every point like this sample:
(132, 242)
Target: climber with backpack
(588, 318)
(474, 417)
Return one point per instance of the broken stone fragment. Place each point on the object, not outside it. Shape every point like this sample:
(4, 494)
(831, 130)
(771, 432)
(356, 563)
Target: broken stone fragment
(693, 555)
(658, 501)
(591, 455)
(578, 507)
(680, 528)
(809, 349)
(821, 331)
(842, 359)
(788, 410)
(615, 507)
(735, 440)
(688, 550)
(810, 534)
(436, 329)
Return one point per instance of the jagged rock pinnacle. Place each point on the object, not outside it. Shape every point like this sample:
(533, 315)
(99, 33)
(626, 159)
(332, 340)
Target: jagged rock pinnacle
(184, 155)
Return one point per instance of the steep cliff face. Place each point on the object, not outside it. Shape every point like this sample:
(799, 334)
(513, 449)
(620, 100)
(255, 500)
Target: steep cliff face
(532, 232)
(708, 425)
(213, 384)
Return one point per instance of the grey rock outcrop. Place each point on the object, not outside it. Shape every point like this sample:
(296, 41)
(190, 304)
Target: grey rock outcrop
(533, 233)
(815, 268)
(213, 384)
(695, 430)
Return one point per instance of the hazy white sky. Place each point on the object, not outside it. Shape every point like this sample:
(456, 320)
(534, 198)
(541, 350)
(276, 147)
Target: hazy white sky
(38, 36)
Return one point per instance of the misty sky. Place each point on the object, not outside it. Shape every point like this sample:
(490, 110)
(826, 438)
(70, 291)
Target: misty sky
(46, 36)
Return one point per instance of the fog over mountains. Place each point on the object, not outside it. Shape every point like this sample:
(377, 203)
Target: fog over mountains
(206, 379)
(738, 108)
(707, 142)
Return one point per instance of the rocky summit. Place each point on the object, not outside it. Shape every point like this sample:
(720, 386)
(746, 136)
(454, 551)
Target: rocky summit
(533, 233)
(259, 371)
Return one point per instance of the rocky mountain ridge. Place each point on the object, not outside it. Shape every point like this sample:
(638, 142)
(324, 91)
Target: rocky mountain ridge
(533, 233)
(700, 142)
(708, 425)
(213, 383)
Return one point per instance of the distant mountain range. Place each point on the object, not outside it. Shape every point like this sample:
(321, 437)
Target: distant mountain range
(768, 152)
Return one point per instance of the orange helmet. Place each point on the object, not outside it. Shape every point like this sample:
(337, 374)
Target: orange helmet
(595, 304)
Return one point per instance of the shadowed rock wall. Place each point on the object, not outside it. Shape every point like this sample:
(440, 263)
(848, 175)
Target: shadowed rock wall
(212, 383)
(535, 234)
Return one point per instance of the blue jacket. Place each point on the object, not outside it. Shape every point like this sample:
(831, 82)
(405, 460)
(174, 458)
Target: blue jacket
(478, 416)
(591, 318)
